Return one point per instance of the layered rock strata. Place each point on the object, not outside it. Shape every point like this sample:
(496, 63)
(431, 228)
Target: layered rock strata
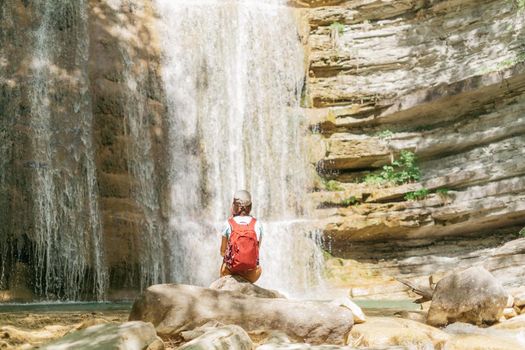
(444, 80)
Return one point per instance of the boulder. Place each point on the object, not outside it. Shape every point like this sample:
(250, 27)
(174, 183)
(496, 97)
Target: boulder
(176, 308)
(359, 315)
(471, 296)
(126, 336)
(519, 299)
(509, 312)
(239, 284)
(382, 332)
(220, 338)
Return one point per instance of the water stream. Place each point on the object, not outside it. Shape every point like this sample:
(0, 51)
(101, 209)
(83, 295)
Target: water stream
(233, 72)
(67, 229)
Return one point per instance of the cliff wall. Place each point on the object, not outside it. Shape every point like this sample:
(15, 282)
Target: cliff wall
(444, 81)
(81, 120)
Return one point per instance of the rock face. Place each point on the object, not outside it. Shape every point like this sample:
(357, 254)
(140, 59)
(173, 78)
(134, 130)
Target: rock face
(470, 296)
(388, 76)
(239, 284)
(175, 308)
(126, 336)
(81, 120)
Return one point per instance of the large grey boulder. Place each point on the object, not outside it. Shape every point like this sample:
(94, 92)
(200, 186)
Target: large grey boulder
(220, 338)
(471, 296)
(239, 284)
(126, 336)
(176, 308)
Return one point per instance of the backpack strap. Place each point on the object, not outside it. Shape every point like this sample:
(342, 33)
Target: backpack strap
(232, 223)
(252, 223)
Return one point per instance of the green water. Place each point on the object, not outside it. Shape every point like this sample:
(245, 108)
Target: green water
(368, 305)
(64, 307)
(406, 305)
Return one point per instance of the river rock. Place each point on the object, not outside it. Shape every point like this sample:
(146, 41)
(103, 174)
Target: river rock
(359, 315)
(221, 338)
(176, 308)
(127, 336)
(381, 332)
(239, 284)
(471, 296)
(519, 299)
(509, 312)
(516, 323)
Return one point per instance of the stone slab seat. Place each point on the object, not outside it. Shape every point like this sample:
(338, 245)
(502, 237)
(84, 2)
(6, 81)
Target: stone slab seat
(176, 308)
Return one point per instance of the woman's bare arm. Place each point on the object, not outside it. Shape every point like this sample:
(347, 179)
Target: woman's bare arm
(224, 244)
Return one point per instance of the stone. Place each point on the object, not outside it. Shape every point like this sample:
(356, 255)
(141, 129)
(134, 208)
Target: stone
(519, 299)
(126, 336)
(359, 315)
(239, 284)
(304, 346)
(400, 75)
(471, 296)
(220, 338)
(16, 336)
(485, 342)
(515, 323)
(382, 332)
(509, 312)
(510, 301)
(177, 308)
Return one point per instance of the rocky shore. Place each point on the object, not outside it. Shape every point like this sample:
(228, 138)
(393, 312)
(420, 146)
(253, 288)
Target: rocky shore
(466, 310)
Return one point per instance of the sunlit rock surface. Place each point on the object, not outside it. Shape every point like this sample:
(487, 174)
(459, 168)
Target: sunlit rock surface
(446, 81)
(471, 296)
(176, 308)
(127, 336)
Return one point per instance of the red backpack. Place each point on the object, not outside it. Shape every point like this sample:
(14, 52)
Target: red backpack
(242, 253)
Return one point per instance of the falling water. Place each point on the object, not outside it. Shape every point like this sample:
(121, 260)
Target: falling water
(67, 229)
(233, 72)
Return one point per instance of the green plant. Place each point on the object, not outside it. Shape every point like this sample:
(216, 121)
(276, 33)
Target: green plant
(522, 232)
(373, 179)
(383, 134)
(332, 185)
(349, 201)
(417, 195)
(520, 4)
(402, 170)
(337, 27)
(442, 191)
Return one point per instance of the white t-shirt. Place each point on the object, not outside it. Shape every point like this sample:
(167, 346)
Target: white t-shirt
(243, 220)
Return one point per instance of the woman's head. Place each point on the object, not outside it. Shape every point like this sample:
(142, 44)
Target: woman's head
(242, 203)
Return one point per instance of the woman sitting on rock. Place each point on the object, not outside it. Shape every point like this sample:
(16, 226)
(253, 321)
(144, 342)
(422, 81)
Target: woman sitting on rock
(241, 239)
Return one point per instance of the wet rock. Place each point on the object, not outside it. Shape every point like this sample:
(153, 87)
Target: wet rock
(127, 336)
(221, 338)
(239, 284)
(388, 331)
(177, 308)
(471, 296)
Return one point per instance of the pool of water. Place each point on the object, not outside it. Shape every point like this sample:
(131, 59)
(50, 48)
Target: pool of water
(372, 306)
(52, 307)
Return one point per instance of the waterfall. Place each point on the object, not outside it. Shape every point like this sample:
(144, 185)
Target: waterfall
(233, 74)
(67, 255)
